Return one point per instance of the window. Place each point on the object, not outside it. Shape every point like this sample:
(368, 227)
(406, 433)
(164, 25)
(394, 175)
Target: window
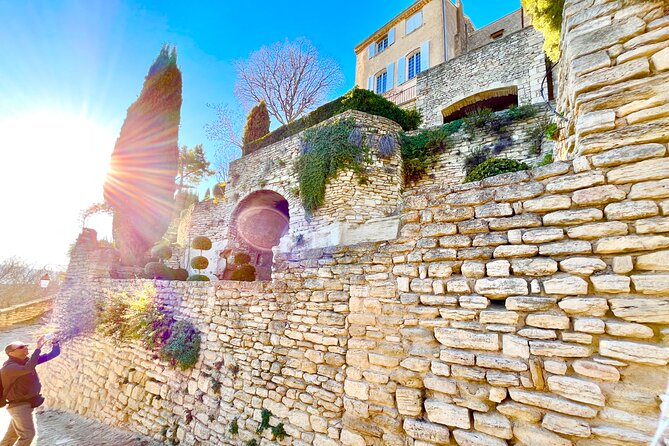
(414, 65)
(414, 22)
(382, 44)
(381, 80)
(497, 34)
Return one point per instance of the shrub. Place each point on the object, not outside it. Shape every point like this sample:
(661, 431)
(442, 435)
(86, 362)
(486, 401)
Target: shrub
(278, 432)
(183, 345)
(202, 243)
(494, 166)
(198, 278)
(356, 99)
(475, 158)
(257, 123)
(522, 112)
(161, 251)
(179, 274)
(552, 131)
(156, 270)
(547, 159)
(234, 427)
(330, 151)
(265, 415)
(419, 151)
(111, 316)
(244, 273)
(242, 258)
(547, 18)
(477, 119)
(199, 262)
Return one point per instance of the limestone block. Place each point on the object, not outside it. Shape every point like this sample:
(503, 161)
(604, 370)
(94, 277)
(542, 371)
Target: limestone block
(651, 283)
(547, 203)
(598, 230)
(457, 356)
(617, 74)
(458, 286)
(467, 438)
(652, 169)
(426, 431)
(628, 329)
(571, 183)
(498, 268)
(405, 270)
(507, 251)
(631, 210)
(515, 346)
(473, 270)
(589, 306)
(416, 364)
(566, 248)
(436, 255)
(515, 236)
(597, 121)
(356, 389)
(566, 425)
(409, 401)
(657, 261)
(447, 414)
(473, 197)
(458, 314)
(559, 349)
(652, 225)
(500, 288)
(555, 366)
(530, 303)
(500, 363)
(493, 423)
(438, 230)
(566, 285)
(439, 368)
(660, 60)
(519, 411)
(497, 394)
(589, 325)
(631, 243)
(534, 267)
(474, 302)
(598, 195)
(349, 438)
(633, 420)
(622, 264)
(440, 269)
(612, 284)
(582, 266)
(581, 164)
(653, 311)
(650, 189)
(439, 384)
(498, 317)
(457, 338)
(628, 154)
(619, 434)
(516, 192)
(548, 320)
(450, 215)
(576, 389)
(515, 222)
(552, 402)
(493, 210)
(455, 241)
(634, 352)
(543, 235)
(494, 239)
(537, 333)
(550, 170)
(596, 370)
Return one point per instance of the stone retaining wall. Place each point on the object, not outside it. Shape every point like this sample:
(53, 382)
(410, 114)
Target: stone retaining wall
(25, 312)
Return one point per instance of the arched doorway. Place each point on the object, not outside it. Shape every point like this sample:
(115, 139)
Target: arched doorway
(496, 100)
(258, 223)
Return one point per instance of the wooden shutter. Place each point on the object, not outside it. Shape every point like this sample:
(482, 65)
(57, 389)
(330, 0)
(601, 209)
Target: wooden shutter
(401, 70)
(372, 49)
(391, 36)
(370, 83)
(390, 79)
(425, 55)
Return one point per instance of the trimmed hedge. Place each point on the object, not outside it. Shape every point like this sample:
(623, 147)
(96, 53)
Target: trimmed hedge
(356, 99)
(494, 166)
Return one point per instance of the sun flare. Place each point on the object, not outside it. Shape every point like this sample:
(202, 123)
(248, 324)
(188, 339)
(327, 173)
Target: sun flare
(55, 165)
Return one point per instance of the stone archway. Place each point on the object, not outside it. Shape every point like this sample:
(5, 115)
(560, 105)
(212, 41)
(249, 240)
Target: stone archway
(258, 223)
(497, 99)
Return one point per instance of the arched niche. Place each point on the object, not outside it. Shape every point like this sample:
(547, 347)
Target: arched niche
(496, 99)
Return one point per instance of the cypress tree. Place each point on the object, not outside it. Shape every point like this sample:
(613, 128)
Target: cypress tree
(140, 184)
(257, 123)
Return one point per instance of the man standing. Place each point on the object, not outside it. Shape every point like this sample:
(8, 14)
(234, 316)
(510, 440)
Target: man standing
(22, 389)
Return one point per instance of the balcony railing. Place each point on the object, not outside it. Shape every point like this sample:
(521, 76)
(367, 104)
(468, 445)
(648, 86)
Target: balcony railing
(401, 96)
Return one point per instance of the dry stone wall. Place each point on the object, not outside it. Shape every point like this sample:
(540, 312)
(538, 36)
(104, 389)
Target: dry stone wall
(24, 312)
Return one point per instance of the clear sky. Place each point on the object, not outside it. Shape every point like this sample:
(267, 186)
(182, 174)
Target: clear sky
(69, 69)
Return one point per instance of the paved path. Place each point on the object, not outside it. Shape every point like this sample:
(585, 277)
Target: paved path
(58, 428)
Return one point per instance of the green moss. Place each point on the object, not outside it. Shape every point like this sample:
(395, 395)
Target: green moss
(327, 151)
(278, 432)
(234, 427)
(494, 166)
(547, 159)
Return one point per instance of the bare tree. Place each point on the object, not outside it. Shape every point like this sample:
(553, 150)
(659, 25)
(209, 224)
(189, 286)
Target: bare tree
(226, 131)
(290, 76)
(19, 282)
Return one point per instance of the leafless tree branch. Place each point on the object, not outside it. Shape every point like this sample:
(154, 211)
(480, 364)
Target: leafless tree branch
(291, 77)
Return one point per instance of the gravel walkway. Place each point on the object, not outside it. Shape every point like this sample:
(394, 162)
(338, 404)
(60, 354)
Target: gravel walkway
(58, 428)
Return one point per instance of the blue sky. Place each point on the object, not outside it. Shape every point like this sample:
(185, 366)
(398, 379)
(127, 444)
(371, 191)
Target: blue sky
(88, 58)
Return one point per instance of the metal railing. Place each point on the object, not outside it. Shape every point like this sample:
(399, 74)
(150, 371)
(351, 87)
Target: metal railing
(402, 96)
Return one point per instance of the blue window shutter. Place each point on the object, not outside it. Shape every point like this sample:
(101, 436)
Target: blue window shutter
(391, 36)
(372, 50)
(390, 79)
(400, 70)
(425, 55)
(370, 83)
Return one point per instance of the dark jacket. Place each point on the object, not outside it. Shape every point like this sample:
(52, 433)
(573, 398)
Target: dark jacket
(19, 378)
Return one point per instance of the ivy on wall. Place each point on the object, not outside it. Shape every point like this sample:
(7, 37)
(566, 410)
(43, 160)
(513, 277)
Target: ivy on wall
(327, 150)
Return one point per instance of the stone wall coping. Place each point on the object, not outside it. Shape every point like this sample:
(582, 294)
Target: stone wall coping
(28, 304)
(261, 153)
